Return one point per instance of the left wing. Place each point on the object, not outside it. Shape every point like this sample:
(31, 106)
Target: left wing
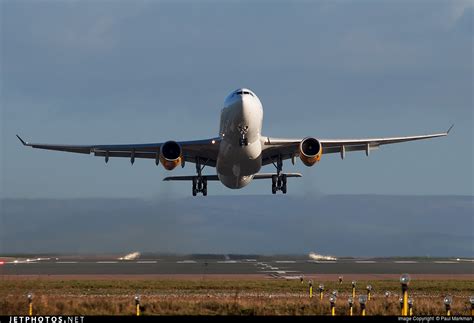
(289, 148)
(206, 150)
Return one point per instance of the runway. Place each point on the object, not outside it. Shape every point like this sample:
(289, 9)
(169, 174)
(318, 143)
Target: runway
(276, 267)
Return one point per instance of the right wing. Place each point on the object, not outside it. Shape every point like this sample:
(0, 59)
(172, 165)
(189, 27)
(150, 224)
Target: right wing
(206, 150)
(289, 148)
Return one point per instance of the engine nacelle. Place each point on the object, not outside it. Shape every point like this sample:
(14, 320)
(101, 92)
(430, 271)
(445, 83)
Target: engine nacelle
(310, 151)
(171, 155)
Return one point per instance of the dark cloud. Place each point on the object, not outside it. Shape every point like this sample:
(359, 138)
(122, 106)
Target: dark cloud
(358, 225)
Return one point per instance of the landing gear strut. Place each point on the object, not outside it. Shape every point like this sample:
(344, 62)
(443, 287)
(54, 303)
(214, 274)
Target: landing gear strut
(243, 141)
(279, 180)
(199, 182)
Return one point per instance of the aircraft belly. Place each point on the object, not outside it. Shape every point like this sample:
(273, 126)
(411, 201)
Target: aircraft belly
(237, 164)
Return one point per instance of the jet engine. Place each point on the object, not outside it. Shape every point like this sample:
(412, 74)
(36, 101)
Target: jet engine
(171, 155)
(310, 151)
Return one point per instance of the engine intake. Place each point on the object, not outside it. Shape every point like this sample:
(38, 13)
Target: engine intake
(171, 155)
(310, 151)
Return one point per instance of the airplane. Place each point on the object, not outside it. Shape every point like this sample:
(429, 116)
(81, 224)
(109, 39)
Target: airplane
(239, 151)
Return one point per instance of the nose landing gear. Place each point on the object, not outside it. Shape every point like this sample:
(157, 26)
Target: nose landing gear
(243, 141)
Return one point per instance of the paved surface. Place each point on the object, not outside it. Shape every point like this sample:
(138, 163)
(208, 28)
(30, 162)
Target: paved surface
(272, 267)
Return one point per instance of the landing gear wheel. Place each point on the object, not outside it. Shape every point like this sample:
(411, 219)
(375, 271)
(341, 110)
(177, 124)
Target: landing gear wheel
(283, 189)
(274, 189)
(274, 180)
(194, 186)
(243, 142)
(204, 186)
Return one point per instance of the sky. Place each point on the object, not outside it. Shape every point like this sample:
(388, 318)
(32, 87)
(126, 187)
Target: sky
(106, 72)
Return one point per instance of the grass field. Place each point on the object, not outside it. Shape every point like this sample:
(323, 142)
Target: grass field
(221, 297)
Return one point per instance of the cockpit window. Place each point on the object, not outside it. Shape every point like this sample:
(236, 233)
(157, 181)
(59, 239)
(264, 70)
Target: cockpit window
(240, 92)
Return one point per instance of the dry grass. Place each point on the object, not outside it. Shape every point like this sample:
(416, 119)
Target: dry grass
(205, 297)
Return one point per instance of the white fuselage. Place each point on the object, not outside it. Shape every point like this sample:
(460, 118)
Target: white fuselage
(237, 164)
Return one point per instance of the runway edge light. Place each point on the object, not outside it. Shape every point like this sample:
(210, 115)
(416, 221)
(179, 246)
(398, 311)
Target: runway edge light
(404, 281)
(350, 301)
(30, 303)
(362, 301)
(137, 304)
(448, 300)
(332, 300)
(410, 306)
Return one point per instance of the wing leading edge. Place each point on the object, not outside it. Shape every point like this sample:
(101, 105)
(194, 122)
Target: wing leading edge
(206, 149)
(289, 148)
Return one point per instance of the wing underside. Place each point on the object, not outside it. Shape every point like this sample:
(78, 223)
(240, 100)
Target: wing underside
(206, 150)
(275, 148)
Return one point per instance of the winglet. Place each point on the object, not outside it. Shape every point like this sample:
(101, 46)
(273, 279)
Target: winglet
(22, 141)
(450, 128)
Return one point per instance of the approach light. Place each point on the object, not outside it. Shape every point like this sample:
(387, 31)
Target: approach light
(448, 300)
(405, 279)
(362, 301)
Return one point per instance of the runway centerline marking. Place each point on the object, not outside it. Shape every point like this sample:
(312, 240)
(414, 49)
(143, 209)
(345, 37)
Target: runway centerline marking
(405, 262)
(106, 262)
(186, 262)
(66, 262)
(365, 262)
(146, 262)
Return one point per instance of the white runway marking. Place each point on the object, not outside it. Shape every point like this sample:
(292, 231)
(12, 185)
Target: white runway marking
(322, 262)
(365, 262)
(405, 262)
(66, 262)
(285, 261)
(227, 262)
(186, 262)
(445, 262)
(106, 262)
(146, 262)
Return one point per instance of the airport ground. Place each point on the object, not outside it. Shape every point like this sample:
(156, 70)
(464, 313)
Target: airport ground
(270, 286)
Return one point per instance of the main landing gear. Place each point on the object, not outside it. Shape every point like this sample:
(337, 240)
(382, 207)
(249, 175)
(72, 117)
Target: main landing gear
(279, 180)
(199, 182)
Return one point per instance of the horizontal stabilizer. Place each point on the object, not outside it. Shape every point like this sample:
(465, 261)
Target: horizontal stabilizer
(190, 178)
(215, 178)
(269, 175)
